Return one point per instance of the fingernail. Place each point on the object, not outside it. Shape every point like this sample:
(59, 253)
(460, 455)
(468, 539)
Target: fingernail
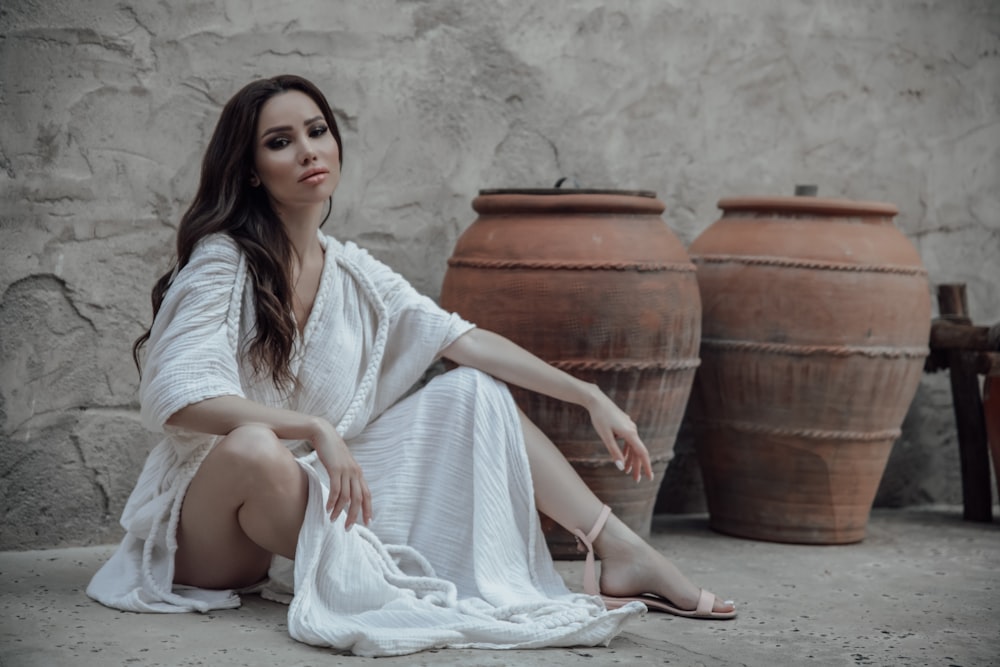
(620, 465)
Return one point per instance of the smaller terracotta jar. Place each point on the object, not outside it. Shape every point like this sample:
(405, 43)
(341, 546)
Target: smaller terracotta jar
(816, 324)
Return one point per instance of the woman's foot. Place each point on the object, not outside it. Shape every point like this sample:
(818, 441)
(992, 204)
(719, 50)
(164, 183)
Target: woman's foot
(630, 567)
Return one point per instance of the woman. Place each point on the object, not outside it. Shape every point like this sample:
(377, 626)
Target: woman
(276, 364)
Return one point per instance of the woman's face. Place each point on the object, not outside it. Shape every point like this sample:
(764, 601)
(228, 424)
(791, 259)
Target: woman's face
(296, 159)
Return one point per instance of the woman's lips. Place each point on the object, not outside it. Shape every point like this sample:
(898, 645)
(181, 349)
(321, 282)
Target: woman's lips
(314, 177)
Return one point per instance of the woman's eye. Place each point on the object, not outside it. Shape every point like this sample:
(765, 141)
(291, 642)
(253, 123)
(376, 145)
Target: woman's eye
(277, 143)
(317, 130)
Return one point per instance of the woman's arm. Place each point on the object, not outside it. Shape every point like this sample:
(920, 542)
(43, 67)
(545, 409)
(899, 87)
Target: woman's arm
(507, 361)
(223, 414)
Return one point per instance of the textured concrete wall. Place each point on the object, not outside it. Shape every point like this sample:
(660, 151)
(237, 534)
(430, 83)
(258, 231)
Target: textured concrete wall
(106, 106)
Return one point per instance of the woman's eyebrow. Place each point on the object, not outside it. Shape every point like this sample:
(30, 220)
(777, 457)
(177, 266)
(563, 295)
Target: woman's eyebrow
(288, 128)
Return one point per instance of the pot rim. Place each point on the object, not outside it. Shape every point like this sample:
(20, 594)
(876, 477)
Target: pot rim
(567, 191)
(553, 201)
(816, 205)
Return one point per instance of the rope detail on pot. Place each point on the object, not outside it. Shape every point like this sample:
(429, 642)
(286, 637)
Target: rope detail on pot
(871, 352)
(808, 433)
(613, 365)
(541, 264)
(792, 263)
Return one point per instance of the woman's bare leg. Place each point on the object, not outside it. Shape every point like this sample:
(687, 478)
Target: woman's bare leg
(246, 502)
(629, 566)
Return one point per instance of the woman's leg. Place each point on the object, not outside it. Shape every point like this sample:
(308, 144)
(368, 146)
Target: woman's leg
(246, 502)
(629, 566)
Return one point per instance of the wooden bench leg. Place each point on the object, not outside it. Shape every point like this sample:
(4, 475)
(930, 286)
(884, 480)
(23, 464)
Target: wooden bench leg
(969, 416)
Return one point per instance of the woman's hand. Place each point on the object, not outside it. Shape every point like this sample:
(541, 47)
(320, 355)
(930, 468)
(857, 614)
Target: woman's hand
(612, 425)
(348, 489)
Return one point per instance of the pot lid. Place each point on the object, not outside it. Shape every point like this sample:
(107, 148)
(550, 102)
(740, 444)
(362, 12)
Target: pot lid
(517, 201)
(567, 191)
(807, 205)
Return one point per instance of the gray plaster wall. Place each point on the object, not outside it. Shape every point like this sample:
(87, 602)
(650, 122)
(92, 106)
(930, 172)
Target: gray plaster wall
(106, 106)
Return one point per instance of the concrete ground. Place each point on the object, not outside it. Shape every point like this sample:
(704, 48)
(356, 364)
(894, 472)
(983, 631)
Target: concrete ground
(921, 589)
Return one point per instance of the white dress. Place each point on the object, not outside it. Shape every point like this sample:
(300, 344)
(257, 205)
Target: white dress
(455, 555)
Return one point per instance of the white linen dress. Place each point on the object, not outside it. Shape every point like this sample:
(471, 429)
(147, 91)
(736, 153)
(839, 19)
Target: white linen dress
(455, 555)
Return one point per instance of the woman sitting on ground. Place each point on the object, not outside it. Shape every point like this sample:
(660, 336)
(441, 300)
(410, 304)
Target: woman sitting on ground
(277, 364)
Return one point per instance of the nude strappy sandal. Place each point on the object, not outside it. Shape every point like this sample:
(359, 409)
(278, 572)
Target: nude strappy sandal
(706, 600)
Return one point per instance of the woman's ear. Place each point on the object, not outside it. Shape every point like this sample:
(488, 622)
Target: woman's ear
(254, 179)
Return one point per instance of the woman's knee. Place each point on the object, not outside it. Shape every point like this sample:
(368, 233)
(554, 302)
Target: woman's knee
(253, 453)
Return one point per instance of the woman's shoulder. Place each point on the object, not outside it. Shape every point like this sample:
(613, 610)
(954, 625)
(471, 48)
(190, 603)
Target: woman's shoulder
(381, 280)
(216, 256)
(219, 246)
(331, 243)
(351, 252)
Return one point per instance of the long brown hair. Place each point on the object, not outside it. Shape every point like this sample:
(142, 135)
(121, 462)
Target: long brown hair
(226, 202)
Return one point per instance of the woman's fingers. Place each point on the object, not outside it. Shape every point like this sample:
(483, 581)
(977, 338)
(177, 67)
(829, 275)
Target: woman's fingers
(608, 437)
(355, 503)
(613, 425)
(334, 495)
(637, 458)
(642, 461)
(366, 503)
(348, 489)
(349, 492)
(343, 496)
(632, 466)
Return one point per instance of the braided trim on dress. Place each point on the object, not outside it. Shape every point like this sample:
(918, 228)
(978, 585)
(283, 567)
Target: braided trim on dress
(190, 466)
(173, 516)
(236, 304)
(381, 336)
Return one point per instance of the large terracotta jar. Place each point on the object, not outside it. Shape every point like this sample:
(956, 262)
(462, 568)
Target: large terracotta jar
(816, 323)
(595, 283)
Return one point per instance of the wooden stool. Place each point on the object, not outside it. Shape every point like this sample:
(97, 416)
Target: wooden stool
(967, 351)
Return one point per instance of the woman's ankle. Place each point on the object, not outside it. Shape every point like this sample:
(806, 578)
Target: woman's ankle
(617, 540)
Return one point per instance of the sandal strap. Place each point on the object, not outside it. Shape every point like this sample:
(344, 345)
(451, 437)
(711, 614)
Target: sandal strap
(589, 570)
(706, 602)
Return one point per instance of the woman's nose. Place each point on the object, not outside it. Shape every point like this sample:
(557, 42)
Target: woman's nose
(308, 155)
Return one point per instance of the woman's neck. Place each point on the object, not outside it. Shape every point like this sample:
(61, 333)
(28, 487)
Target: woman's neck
(302, 227)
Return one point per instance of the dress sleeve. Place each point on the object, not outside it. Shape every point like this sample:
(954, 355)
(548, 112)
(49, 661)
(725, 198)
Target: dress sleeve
(417, 329)
(193, 344)
(421, 321)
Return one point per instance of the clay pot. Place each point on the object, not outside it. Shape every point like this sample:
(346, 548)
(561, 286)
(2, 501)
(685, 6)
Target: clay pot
(816, 323)
(595, 283)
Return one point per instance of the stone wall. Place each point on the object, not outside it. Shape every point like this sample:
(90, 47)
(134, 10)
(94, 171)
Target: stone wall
(107, 105)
